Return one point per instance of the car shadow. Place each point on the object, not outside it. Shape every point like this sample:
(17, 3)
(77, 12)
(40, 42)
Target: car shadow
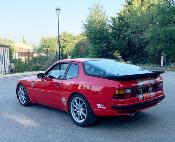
(48, 109)
(139, 119)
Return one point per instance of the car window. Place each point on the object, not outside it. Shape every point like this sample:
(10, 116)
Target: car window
(72, 72)
(58, 71)
(94, 70)
(105, 68)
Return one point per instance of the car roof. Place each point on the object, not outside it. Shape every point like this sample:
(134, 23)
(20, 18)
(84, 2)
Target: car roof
(82, 60)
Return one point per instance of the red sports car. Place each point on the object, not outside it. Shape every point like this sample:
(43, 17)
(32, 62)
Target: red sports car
(88, 88)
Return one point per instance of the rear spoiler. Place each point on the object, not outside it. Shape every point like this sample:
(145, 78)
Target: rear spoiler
(153, 74)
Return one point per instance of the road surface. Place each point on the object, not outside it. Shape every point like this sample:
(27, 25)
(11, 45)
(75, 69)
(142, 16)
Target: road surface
(41, 124)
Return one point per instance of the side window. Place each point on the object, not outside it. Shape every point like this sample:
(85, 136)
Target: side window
(58, 71)
(94, 70)
(72, 72)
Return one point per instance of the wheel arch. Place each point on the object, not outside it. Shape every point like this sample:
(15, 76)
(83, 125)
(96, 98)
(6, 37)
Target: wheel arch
(90, 116)
(69, 98)
(19, 83)
(27, 98)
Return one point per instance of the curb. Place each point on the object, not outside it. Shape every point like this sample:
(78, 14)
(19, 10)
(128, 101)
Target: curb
(19, 74)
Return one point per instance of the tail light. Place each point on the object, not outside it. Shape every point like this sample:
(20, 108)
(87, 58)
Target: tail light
(159, 86)
(122, 94)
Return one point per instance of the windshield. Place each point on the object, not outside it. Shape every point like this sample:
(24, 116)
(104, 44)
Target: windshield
(106, 68)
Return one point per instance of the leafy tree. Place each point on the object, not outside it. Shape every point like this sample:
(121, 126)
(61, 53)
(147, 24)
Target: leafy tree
(6, 41)
(11, 52)
(81, 49)
(97, 32)
(68, 42)
(127, 31)
(161, 33)
(134, 30)
(47, 45)
(20, 66)
(40, 62)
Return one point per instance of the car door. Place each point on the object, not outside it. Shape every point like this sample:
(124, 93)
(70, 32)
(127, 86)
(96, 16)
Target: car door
(69, 84)
(65, 87)
(49, 88)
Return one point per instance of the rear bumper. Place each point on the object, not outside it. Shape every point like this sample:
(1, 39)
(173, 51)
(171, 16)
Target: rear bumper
(125, 110)
(139, 106)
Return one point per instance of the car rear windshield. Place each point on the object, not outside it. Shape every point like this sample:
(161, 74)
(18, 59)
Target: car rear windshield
(105, 68)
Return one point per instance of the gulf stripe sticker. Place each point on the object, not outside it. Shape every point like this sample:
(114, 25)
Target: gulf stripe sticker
(141, 97)
(152, 94)
(146, 83)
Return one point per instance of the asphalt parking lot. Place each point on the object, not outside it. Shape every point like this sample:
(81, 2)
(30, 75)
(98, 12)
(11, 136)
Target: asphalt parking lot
(41, 124)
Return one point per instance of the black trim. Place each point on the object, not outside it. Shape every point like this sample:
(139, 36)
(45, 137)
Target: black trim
(54, 65)
(68, 70)
(153, 74)
(141, 105)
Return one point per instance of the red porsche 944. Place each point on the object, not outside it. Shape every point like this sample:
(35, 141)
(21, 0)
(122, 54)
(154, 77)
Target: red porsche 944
(89, 88)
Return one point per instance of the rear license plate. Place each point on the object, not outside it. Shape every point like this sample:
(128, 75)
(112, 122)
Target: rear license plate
(147, 95)
(146, 90)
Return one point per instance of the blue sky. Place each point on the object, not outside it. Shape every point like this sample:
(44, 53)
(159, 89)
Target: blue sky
(34, 19)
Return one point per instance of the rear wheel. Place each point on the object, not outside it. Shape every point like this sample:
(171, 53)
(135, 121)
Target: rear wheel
(22, 95)
(80, 111)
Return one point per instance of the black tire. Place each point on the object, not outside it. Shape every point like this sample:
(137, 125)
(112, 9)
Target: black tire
(90, 117)
(22, 95)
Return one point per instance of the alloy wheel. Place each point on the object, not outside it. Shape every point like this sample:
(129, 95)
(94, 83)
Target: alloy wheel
(22, 95)
(78, 109)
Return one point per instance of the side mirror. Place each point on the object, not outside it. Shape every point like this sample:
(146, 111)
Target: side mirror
(40, 75)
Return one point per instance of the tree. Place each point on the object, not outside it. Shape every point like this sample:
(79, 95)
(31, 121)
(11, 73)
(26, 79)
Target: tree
(132, 28)
(24, 40)
(81, 49)
(68, 42)
(161, 33)
(128, 31)
(6, 41)
(97, 32)
(47, 45)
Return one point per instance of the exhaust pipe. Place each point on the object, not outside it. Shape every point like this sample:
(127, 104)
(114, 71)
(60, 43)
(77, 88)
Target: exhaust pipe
(131, 113)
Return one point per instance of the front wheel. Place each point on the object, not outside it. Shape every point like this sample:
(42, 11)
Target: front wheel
(80, 111)
(22, 95)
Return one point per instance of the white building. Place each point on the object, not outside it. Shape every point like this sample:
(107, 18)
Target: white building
(22, 51)
(4, 59)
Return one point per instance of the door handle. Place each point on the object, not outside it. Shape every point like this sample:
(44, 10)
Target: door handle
(57, 84)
